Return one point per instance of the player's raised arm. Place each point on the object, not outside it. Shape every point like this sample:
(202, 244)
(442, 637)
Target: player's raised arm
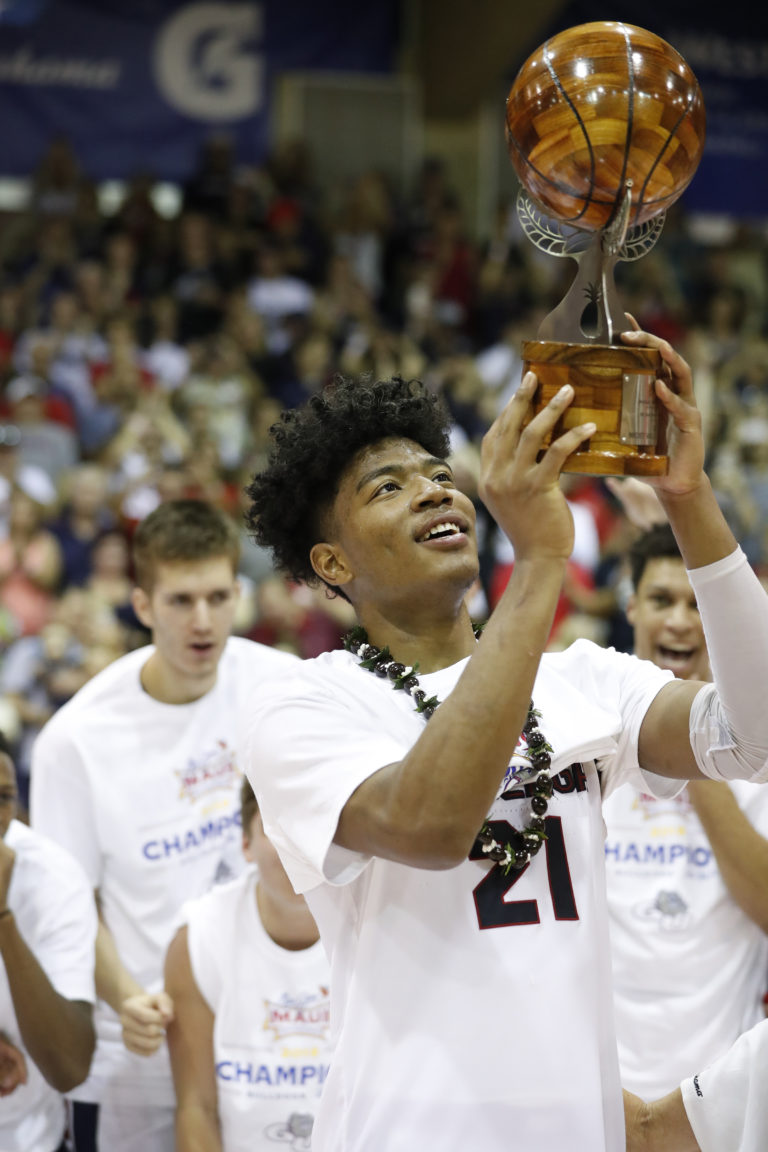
(722, 731)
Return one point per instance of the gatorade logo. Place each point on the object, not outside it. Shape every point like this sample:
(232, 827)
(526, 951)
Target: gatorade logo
(206, 64)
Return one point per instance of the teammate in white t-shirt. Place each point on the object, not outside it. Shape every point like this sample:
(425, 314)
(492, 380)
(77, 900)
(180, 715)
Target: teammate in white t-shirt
(249, 1041)
(721, 1109)
(47, 938)
(470, 987)
(138, 776)
(687, 877)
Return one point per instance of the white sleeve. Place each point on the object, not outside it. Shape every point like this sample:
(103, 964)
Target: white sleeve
(61, 800)
(725, 1103)
(306, 753)
(65, 930)
(624, 686)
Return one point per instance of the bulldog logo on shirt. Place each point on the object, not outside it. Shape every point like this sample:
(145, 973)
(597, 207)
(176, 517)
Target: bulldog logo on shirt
(667, 909)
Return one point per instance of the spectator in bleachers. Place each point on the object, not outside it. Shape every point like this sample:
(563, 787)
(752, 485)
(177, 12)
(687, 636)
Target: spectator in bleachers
(44, 421)
(165, 358)
(84, 515)
(219, 393)
(30, 562)
(276, 295)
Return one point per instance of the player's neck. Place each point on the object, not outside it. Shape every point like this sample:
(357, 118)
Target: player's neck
(168, 686)
(435, 642)
(288, 922)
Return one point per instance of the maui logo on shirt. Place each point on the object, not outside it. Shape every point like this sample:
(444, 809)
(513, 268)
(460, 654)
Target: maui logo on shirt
(653, 807)
(307, 1015)
(213, 770)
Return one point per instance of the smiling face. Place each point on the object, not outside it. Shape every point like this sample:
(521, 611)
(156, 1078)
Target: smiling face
(399, 531)
(190, 611)
(664, 615)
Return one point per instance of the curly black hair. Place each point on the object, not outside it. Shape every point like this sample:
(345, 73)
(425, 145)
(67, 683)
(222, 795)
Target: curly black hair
(312, 448)
(657, 543)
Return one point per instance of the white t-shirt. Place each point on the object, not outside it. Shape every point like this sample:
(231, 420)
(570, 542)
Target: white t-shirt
(272, 1019)
(55, 914)
(146, 796)
(725, 1103)
(469, 1009)
(689, 965)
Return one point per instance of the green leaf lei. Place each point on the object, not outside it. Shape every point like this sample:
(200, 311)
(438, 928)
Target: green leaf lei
(517, 852)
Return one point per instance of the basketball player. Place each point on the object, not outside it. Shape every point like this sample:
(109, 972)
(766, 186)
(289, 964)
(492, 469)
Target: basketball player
(471, 988)
(138, 777)
(721, 1109)
(47, 934)
(687, 877)
(249, 980)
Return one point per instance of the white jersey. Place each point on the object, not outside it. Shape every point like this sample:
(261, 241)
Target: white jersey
(272, 1020)
(146, 796)
(689, 965)
(55, 915)
(470, 1008)
(725, 1103)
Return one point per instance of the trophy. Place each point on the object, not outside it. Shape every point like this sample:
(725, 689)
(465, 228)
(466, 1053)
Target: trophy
(605, 129)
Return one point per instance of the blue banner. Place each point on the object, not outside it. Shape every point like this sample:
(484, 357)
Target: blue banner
(727, 48)
(137, 85)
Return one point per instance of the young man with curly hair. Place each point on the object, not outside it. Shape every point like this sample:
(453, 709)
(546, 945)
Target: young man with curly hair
(437, 799)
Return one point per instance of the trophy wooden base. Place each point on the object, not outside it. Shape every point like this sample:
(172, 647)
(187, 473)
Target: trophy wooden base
(614, 389)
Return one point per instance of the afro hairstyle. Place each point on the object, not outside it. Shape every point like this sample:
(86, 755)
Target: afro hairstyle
(312, 447)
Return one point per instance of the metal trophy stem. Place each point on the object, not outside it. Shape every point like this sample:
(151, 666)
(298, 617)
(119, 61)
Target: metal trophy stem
(578, 343)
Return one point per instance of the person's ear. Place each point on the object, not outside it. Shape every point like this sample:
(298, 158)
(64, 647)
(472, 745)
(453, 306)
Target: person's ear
(142, 607)
(330, 564)
(631, 609)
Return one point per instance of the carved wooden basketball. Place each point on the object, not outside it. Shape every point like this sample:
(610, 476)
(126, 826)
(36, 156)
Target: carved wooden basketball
(598, 105)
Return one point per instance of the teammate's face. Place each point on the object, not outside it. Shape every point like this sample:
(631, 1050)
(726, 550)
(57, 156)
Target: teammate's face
(190, 612)
(398, 528)
(666, 620)
(8, 793)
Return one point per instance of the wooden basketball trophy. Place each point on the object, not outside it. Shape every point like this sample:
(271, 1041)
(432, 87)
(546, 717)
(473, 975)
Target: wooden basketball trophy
(605, 127)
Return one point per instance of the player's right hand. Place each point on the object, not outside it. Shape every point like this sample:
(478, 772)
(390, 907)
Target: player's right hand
(144, 1018)
(522, 492)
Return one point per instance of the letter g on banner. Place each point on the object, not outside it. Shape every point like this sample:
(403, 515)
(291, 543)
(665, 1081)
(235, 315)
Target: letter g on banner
(206, 64)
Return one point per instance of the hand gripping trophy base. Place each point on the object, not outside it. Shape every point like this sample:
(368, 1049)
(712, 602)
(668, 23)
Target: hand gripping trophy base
(614, 389)
(613, 383)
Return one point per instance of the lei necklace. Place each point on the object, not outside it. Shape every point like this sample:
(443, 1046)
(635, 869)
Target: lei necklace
(517, 852)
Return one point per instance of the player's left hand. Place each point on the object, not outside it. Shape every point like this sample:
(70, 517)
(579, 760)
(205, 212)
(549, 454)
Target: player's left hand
(685, 442)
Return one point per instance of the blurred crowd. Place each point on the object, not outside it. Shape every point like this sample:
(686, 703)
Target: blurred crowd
(145, 356)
